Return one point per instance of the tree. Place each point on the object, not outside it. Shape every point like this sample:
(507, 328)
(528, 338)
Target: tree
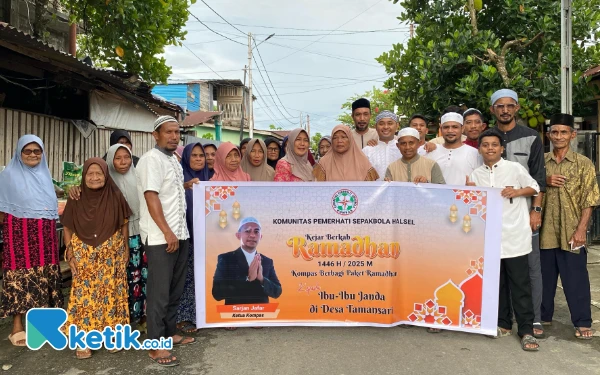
(207, 136)
(314, 144)
(130, 35)
(273, 127)
(380, 100)
(460, 55)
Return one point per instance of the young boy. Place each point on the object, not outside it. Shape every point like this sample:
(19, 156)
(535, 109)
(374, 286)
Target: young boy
(516, 185)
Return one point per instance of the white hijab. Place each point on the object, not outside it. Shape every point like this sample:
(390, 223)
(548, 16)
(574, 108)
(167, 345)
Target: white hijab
(127, 183)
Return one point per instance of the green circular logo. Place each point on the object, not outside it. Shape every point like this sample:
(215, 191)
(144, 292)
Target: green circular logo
(344, 202)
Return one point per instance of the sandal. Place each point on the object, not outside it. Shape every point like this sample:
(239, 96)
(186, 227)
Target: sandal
(16, 337)
(83, 353)
(181, 342)
(501, 332)
(171, 361)
(143, 328)
(581, 333)
(113, 351)
(547, 323)
(434, 330)
(529, 340)
(229, 328)
(538, 327)
(188, 328)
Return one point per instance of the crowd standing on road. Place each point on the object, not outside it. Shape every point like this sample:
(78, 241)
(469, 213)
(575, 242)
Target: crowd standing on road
(129, 234)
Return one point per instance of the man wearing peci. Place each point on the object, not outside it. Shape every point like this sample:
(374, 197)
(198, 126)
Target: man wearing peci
(244, 276)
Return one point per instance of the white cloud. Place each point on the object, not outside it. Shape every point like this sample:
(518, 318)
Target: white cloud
(229, 58)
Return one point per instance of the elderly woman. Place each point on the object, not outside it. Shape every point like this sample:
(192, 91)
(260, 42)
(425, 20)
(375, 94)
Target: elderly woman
(345, 161)
(324, 146)
(28, 210)
(227, 164)
(96, 232)
(254, 161)
(294, 166)
(210, 152)
(195, 169)
(273, 151)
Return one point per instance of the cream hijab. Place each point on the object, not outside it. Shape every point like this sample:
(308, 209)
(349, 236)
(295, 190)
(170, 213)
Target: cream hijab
(352, 165)
(264, 172)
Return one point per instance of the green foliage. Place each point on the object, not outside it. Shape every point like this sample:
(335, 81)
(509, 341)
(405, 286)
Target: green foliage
(454, 59)
(137, 30)
(314, 144)
(207, 136)
(380, 99)
(273, 127)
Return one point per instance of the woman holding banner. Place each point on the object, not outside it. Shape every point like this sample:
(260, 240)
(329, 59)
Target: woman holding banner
(254, 161)
(295, 166)
(345, 161)
(227, 164)
(195, 169)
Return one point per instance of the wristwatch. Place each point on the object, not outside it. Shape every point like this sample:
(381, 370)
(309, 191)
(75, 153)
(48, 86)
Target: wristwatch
(536, 208)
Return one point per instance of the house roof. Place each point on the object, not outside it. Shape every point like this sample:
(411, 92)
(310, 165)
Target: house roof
(216, 82)
(198, 117)
(125, 84)
(592, 72)
(281, 133)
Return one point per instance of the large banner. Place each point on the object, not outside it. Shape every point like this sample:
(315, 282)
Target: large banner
(350, 253)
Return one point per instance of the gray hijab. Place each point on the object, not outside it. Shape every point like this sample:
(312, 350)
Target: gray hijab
(127, 183)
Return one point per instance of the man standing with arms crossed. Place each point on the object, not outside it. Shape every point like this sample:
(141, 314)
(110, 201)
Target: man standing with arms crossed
(524, 146)
(571, 195)
(164, 234)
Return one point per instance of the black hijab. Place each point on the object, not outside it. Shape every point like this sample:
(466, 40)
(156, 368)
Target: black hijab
(268, 141)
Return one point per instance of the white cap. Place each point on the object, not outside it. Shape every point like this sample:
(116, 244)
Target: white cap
(409, 132)
(248, 220)
(452, 116)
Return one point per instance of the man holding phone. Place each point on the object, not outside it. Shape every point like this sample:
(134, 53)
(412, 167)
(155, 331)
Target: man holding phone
(571, 196)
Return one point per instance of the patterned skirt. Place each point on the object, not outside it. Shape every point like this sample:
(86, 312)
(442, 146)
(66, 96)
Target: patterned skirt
(99, 293)
(137, 275)
(32, 275)
(186, 312)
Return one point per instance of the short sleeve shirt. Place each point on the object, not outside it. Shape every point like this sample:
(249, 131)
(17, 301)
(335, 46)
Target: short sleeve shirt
(456, 164)
(162, 174)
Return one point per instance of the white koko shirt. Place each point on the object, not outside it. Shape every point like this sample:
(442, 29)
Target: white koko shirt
(516, 231)
(382, 155)
(456, 164)
(158, 172)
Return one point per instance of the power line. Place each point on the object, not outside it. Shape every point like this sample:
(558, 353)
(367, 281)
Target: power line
(215, 12)
(268, 90)
(310, 44)
(342, 58)
(267, 73)
(198, 57)
(325, 88)
(269, 112)
(361, 78)
(283, 28)
(235, 41)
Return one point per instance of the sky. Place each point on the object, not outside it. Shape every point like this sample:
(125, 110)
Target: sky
(316, 80)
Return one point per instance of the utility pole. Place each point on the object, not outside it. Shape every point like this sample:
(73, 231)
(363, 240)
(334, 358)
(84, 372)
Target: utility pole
(412, 30)
(566, 56)
(251, 105)
(308, 127)
(244, 107)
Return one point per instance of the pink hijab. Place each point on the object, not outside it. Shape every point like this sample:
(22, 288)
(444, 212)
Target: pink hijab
(221, 171)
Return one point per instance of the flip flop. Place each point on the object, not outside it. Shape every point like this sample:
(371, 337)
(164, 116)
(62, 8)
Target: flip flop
(501, 333)
(229, 328)
(581, 336)
(180, 342)
(188, 328)
(173, 361)
(528, 339)
(546, 323)
(539, 327)
(434, 330)
(15, 338)
(83, 353)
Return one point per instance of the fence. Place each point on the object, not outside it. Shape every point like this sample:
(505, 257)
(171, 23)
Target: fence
(62, 140)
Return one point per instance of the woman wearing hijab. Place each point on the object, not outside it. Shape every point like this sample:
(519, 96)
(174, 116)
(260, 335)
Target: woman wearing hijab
(324, 146)
(121, 170)
(195, 169)
(345, 161)
(273, 151)
(96, 232)
(179, 153)
(244, 145)
(294, 166)
(227, 164)
(122, 137)
(29, 211)
(254, 161)
(210, 152)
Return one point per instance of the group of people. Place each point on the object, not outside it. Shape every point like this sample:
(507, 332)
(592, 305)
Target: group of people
(128, 228)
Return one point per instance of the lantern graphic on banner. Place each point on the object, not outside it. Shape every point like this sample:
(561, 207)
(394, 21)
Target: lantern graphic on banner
(236, 210)
(466, 226)
(453, 213)
(223, 219)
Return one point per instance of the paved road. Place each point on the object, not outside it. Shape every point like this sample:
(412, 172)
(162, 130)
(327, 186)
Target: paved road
(340, 351)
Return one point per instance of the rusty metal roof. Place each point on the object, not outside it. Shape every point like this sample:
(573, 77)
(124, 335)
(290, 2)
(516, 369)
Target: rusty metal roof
(126, 84)
(198, 117)
(592, 72)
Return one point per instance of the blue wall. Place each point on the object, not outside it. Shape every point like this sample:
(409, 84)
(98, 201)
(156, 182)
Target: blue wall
(176, 94)
(193, 97)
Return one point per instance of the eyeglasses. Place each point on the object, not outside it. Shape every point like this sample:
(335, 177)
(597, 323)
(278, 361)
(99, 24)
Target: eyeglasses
(501, 107)
(36, 152)
(272, 149)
